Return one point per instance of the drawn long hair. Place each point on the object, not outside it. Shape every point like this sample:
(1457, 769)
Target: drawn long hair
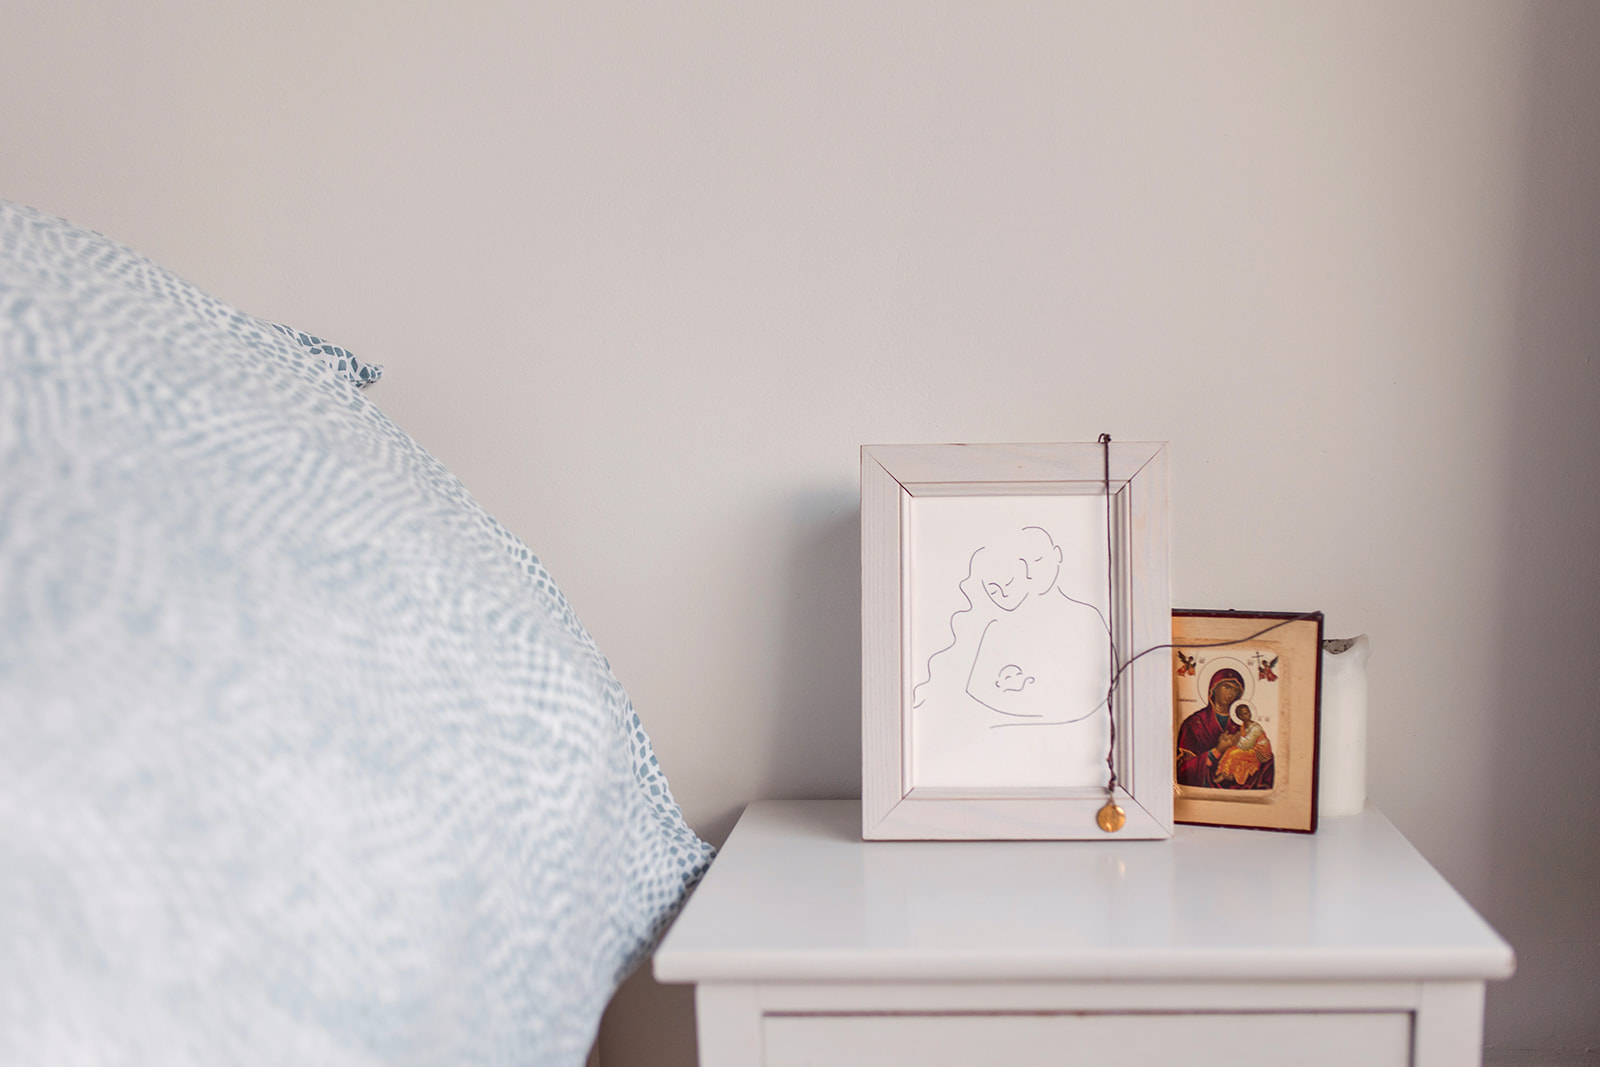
(970, 618)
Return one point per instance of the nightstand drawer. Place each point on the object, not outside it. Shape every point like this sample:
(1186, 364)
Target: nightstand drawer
(1265, 1039)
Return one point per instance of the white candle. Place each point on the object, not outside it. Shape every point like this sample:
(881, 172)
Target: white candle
(1342, 761)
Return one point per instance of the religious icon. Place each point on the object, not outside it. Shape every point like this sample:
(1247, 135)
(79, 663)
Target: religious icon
(1245, 695)
(1224, 744)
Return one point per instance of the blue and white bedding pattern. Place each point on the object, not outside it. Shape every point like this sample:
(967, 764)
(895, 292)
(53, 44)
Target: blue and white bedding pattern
(346, 365)
(303, 757)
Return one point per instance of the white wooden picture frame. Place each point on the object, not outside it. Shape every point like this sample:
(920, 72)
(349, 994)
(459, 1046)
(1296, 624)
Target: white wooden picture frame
(953, 539)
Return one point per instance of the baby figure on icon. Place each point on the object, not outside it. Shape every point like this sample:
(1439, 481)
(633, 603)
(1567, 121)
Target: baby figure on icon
(1244, 750)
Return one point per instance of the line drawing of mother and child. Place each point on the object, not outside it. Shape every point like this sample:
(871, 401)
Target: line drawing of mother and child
(1022, 649)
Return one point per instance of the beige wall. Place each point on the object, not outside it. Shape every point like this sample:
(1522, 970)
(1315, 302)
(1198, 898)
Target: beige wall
(647, 275)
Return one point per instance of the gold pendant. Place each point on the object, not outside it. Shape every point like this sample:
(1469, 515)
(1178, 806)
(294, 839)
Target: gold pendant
(1111, 818)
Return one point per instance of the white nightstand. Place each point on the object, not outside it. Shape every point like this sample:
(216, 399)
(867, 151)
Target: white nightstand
(1225, 947)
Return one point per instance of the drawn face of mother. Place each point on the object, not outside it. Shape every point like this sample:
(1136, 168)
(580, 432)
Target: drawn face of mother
(1024, 565)
(1000, 573)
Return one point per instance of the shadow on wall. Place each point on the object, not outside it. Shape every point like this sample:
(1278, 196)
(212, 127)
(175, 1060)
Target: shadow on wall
(649, 1023)
(815, 753)
(1545, 838)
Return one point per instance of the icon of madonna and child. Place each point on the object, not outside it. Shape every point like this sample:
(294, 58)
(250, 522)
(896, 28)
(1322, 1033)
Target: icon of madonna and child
(1224, 745)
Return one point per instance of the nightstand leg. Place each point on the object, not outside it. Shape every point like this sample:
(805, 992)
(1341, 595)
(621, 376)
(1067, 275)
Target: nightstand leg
(1449, 1027)
(728, 1018)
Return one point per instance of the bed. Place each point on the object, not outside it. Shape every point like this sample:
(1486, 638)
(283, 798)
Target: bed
(304, 758)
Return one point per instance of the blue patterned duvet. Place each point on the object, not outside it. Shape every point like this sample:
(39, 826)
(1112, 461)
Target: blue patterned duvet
(303, 758)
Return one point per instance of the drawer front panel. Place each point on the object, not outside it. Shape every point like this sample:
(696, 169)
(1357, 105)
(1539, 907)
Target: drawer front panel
(1264, 1039)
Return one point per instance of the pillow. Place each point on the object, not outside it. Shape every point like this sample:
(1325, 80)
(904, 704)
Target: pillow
(306, 758)
(344, 364)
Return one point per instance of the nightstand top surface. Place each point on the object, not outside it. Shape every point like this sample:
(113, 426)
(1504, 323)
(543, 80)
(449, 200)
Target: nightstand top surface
(796, 895)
